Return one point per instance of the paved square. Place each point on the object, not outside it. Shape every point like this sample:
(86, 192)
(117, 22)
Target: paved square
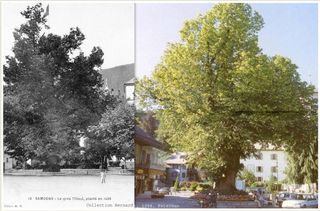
(169, 201)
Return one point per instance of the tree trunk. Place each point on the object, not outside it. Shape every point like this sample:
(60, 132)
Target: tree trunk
(227, 183)
(101, 162)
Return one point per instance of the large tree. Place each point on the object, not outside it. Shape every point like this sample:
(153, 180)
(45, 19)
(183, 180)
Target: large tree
(216, 94)
(303, 155)
(51, 92)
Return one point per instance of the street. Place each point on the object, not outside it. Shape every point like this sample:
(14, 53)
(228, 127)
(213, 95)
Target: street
(67, 192)
(169, 201)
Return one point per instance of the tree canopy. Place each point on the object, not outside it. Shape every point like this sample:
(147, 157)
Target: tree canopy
(52, 91)
(217, 94)
(248, 176)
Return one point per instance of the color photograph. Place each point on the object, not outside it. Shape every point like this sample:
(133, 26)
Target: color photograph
(227, 105)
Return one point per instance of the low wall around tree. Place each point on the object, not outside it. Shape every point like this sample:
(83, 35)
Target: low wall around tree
(39, 172)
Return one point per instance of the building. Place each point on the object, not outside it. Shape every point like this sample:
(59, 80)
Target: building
(149, 166)
(177, 167)
(119, 80)
(8, 162)
(269, 162)
(129, 91)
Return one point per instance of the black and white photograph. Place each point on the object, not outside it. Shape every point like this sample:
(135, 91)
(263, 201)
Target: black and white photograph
(68, 105)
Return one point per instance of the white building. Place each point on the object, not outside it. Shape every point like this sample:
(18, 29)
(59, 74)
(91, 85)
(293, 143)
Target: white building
(177, 167)
(269, 162)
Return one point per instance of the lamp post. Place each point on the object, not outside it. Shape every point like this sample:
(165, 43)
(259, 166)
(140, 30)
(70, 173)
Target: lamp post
(277, 171)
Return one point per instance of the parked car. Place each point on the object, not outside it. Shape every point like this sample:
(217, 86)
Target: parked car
(160, 193)
(164, 190)
(302, 201)
(283, 196)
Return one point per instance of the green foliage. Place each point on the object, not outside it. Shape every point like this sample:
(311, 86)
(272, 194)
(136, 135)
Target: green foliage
(216, 94)
(273, 185)
(248, 176)
(187, 184)
(200, 189)
(303, 158)
(183, 189)
(193, 186)
(258, 185)
(204, 187)
(176, 184)
(51, 95)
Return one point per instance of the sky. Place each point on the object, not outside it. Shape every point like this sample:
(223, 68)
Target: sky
(290, 30)
(109, 26)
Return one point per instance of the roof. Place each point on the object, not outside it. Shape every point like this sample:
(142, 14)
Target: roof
(115, 77)
(268, 147)
(145, 139)
(177, 158)
(131, 81)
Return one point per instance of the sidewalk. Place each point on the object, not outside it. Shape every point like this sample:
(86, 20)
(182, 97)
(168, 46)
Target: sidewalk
(177, 200)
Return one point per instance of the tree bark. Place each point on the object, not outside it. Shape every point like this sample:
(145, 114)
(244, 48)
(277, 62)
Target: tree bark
(227, 183)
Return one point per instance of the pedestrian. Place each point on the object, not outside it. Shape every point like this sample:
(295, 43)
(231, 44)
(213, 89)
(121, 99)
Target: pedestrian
(261, 200)
(103, 175)
(213, 199)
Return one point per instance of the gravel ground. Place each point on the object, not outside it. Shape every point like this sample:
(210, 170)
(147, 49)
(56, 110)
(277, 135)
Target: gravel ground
(67, 192)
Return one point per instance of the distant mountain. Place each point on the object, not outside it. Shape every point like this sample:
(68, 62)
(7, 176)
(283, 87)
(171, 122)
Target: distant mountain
(115, 77)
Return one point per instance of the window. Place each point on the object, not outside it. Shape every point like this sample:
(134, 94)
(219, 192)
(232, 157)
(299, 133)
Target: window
(259, 179)
(148, 161)
(273, 169)
(183, 175)
(7, 160)
(274, 157)
(259, 156)
(259, 169)
(143, 157)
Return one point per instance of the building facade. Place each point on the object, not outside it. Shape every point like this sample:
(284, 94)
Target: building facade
(177, 167)
(8, 162)
(269, 163)
(149, 164)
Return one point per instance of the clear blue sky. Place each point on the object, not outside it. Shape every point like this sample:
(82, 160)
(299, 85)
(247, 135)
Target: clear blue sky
(290, 30)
